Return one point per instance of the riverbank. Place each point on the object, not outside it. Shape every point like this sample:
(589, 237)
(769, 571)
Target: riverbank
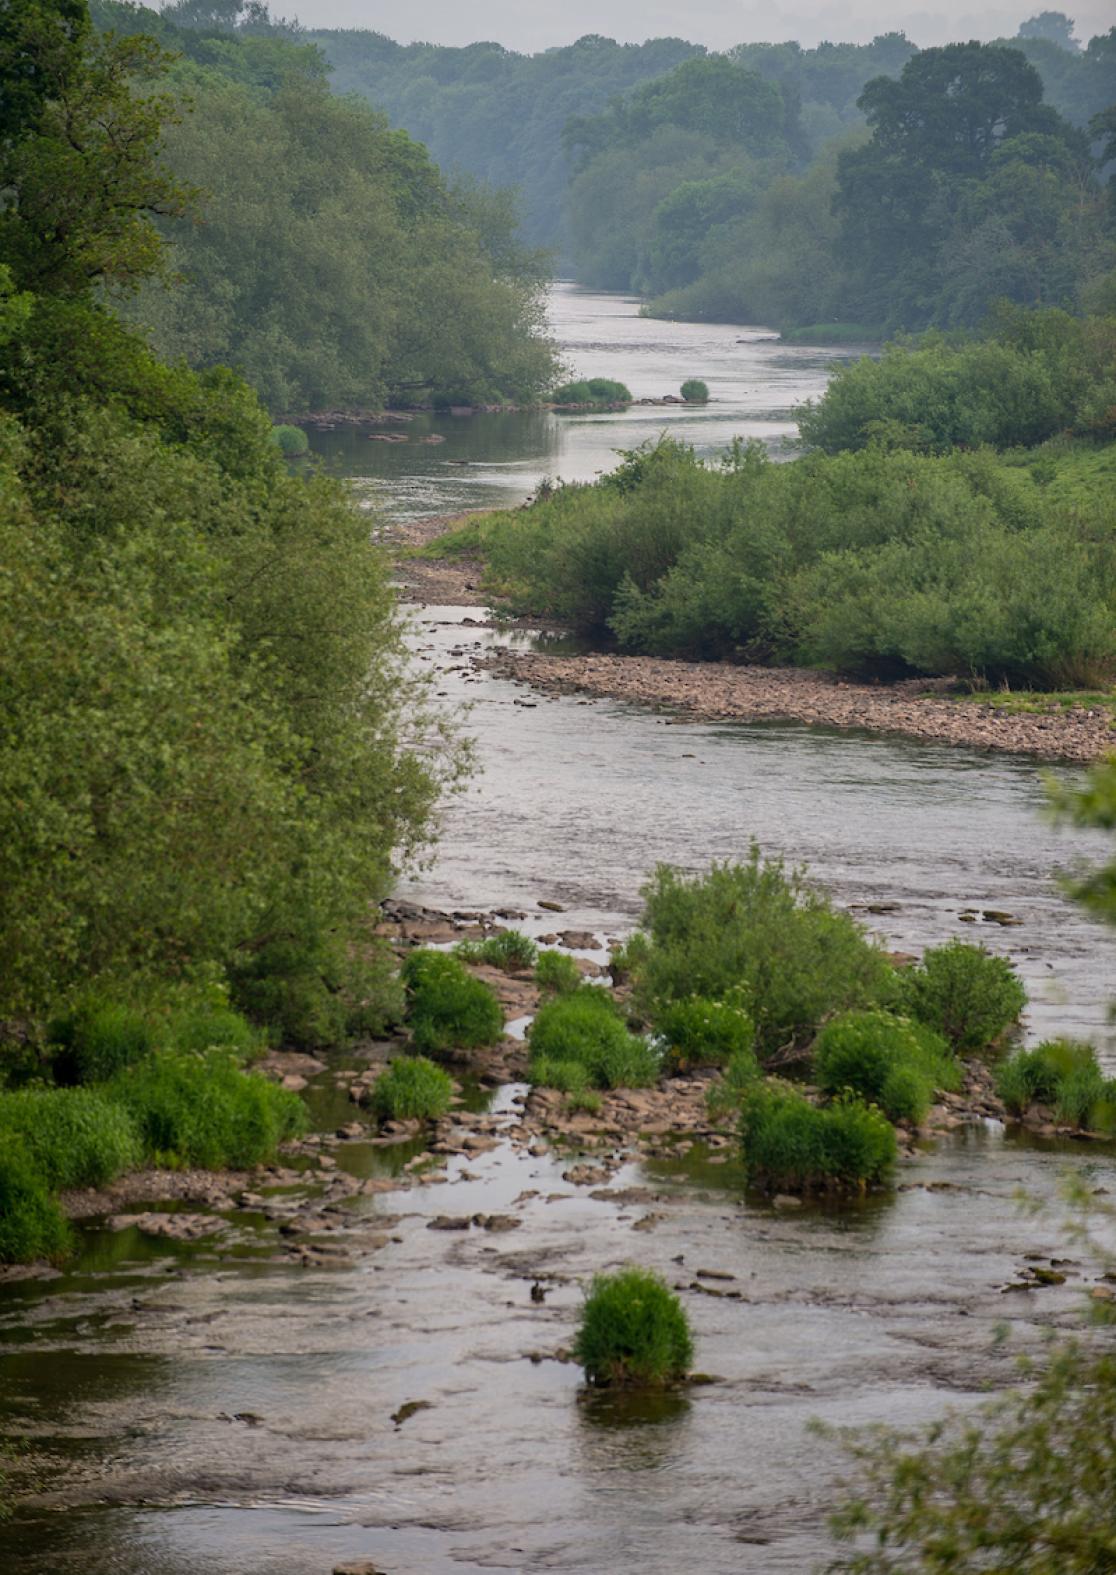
(717, 692)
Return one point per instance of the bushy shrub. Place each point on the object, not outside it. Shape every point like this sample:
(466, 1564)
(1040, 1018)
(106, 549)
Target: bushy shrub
(791, 1145)
(313, 992)
(448, 1008)
(76, 1137)
(31, 1223)
(592, 391)
(763, 928)
(510, 950)
(700, 1032)
(965, 994)
(1061, 1073)
(694, 391)
(557, 971)
(888, 1061)
(291, 441)
(97, 1039)
(204, 1110)
(412, 1088)
(585, 1027)
(633, 1332)
(740, 1074)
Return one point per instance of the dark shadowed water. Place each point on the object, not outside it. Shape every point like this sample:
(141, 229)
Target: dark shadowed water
(205, 1410)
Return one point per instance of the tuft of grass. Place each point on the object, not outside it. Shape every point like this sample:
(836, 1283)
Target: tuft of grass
(448, 1008)
(214, 1028)
(1064, 1074)
(75, 1137)
(586, 1102)
(887, 1061)
(204, 1110)
(412, 1088)
(698, 1031)
(558, 972)
(633, 1332)
(511, 950)
(791, 1145)
(568, 1077)
(585, 1027)
(97, 1039)
(965, 994)
(32, 1225)
(725, 1098)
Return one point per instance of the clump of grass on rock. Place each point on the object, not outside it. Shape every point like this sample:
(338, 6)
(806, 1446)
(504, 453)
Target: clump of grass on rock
(792, 1145)
(586, 1028)
(741, 1073)
(412, 1088)
(510, 950)
(964, 993)
(448, 1007)
(888, 1061)
(1063, 1075)
(557, 971)
(634, 1332)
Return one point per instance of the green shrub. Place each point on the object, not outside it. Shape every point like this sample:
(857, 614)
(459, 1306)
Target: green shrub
(694, 391)
(313, 992)
(965, 994)
(204, 1110)
(586, 1027)
(888, 1061)
(97, 1039)
(76, 1137)
(31, 1223)
(791, 1145)
(740, 1074)
(701, 1032)
(1064, 1074)
(448, 1008)
(412, 1088)
(762, 928)
(633, 1332)
(292, 441)
(510, 950)
(558, 972)
(592, 391)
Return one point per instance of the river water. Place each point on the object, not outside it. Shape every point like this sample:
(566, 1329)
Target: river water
(206, 1409)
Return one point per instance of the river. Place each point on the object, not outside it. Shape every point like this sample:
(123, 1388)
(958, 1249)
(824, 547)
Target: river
(206, 1409)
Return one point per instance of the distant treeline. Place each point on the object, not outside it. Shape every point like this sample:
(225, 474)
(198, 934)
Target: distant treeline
(324, 255)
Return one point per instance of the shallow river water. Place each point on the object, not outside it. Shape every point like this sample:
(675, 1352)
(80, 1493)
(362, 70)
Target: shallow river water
(205, 1409)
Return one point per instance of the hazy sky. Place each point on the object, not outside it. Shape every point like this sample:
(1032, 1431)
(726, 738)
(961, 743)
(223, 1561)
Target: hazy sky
(521, 24)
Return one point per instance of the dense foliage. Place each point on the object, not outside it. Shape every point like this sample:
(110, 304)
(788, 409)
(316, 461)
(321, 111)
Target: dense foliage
(584, 1029)
(899, 546)
(633, 1332)
(214, 757)
(329, 261)
(965, 994)
(1064, 1076)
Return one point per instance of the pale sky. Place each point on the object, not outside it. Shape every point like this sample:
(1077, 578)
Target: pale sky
(523, 25)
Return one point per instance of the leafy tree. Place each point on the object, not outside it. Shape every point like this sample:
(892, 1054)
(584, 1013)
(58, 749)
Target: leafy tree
(1054, 25)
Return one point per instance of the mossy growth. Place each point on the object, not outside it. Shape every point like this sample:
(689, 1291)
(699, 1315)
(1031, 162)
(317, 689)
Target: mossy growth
(634, 1332)
(447, 1007)
(412, 1088)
